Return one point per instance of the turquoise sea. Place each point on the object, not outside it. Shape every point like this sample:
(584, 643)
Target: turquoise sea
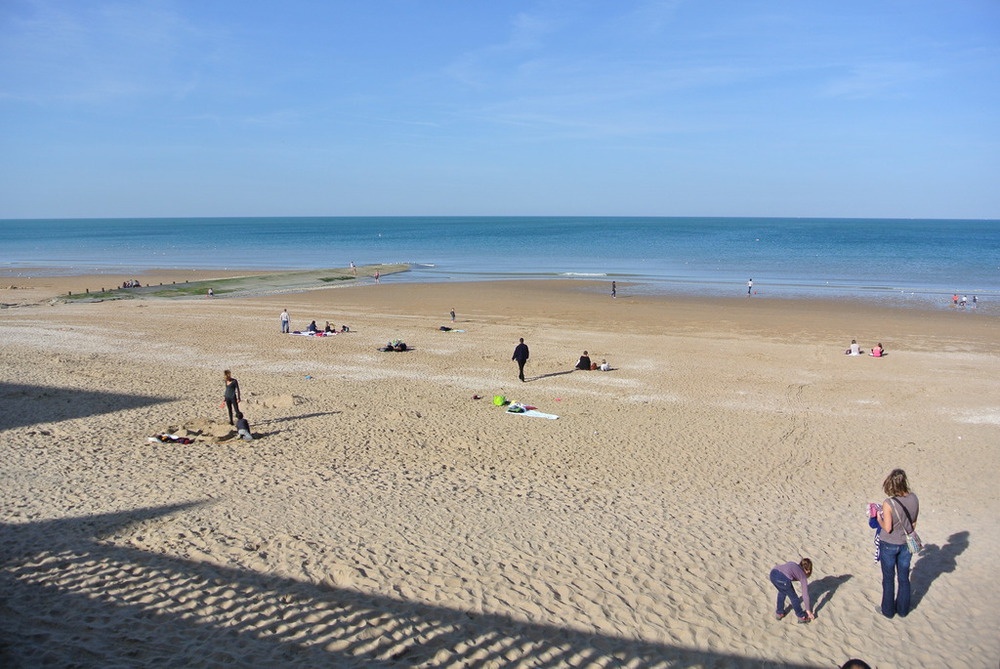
(899, 261)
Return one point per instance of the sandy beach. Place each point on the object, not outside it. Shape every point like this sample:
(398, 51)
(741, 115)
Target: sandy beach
(383, 516)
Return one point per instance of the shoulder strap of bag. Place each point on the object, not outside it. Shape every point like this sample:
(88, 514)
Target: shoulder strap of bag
(903, 507)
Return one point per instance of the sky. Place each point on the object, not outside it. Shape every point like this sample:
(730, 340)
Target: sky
(162, 108)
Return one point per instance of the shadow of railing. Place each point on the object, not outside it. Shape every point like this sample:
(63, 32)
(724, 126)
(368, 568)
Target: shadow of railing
(31, 404)
(934, 561)
(70, 599)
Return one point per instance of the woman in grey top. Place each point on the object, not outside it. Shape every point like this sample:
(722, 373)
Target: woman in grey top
(894, 555)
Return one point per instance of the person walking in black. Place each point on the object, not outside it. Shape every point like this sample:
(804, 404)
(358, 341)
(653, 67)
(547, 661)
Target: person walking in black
(521, 356)
(232, 396)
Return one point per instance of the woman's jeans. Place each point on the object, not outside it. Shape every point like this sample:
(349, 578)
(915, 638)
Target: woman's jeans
(895, 559)
(786, 589)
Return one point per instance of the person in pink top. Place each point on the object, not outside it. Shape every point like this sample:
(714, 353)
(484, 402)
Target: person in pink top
(781, 578)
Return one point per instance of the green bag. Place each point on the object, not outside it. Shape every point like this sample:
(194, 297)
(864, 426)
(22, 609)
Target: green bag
(499, 400)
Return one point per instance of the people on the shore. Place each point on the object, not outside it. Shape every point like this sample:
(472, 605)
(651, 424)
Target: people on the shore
(781, 578)
(614, 289)
(877, 351)
(329, 329)
(286, 321)
(897, 518)
(452, 312)
(521, 354)
(962, 302)
(584, 362)
(854, 348)
(377, 276)
(211, 293)
(312, 327)
(243, 427)
(232, 394)
(749, 286)
(605, 367)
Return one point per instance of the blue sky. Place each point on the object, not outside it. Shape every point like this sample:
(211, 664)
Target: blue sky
(669, 108)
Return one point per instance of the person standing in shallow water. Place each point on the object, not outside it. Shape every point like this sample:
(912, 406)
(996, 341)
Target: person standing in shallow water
(521, 354)
(897, 517)
(232, 396)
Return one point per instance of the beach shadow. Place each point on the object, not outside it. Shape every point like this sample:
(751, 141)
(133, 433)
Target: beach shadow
(934, 561)
(25, 404)
(72, 597)
(823, 589)
(315, 414)
(545, 376)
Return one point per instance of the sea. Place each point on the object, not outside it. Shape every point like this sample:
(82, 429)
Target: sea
(889, 261)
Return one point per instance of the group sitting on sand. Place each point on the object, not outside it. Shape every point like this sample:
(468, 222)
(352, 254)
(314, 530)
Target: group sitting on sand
(854, 349)
(585, 363)
(394, 345)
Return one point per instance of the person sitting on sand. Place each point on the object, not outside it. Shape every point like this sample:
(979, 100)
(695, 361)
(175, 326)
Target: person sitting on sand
(243, 427)
(605, 367)
(329, 328)
(854, 348)
(584, 362)
(877, 351)
(312, 327)
(781, 578)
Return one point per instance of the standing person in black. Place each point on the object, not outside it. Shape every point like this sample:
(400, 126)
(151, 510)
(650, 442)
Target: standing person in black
(232, 396)
(521, 355)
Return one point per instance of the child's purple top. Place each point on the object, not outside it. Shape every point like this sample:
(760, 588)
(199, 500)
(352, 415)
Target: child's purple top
(793, 571)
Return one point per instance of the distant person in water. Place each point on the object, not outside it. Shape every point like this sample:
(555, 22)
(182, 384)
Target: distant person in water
(614, 289)
(749, 286)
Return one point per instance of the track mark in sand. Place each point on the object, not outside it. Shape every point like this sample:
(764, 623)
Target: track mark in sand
(798, 427)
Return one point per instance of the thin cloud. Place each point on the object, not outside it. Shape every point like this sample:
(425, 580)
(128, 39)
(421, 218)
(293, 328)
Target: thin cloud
(876, 80)
(57, 52)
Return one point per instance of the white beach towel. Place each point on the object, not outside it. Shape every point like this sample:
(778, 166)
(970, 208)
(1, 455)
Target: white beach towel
(522, 410)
